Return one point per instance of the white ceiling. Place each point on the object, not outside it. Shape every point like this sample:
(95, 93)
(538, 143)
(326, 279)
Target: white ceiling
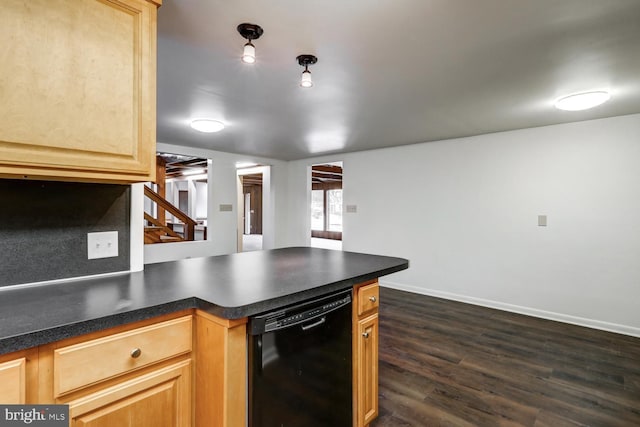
(389, 72)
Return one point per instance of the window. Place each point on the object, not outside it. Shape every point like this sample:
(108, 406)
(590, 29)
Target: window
(317, 210)
(334, 208)
(326, 203)
(326, 210)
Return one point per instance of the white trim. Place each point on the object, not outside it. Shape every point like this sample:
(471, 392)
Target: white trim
(549, 315)
(136, 233)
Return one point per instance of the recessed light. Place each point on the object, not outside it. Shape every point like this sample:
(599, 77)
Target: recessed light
(582, 101)
(207, 125)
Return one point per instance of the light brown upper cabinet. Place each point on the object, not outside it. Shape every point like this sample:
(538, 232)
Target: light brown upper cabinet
(78, 89)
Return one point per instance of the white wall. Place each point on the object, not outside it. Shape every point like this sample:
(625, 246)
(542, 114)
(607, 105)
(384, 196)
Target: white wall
(298, 230)
(222, 189)
(464, 212)
(202, 192)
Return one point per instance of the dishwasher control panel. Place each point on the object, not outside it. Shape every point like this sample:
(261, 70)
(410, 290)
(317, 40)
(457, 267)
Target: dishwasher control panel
(298, 314)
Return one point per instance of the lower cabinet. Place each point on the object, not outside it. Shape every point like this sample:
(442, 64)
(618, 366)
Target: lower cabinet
(19, 377)
(367, 369)
(13, 381)
(136, 375)
(221, 371)
(161, 398)
(180, 370)
(365, 353)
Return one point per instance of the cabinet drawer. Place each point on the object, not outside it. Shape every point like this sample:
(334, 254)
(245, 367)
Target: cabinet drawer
(86, 363)
(368, 298)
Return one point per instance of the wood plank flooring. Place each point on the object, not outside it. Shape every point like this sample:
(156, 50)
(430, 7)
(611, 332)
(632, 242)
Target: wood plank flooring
(445, 363)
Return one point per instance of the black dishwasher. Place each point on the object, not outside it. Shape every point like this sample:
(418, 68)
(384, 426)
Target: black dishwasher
(300, 365)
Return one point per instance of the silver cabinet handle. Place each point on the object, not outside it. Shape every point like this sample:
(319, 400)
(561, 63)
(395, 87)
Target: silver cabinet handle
(135, 353)
(372, 299)
(365, 334)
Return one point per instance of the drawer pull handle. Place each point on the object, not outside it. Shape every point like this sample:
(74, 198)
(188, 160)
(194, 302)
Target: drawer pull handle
(135, 353)
(365, 334)
(372, 299)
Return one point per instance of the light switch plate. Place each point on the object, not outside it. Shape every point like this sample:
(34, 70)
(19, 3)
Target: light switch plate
(103, 244)
(352, 208)
(226, 208)
(542, 220)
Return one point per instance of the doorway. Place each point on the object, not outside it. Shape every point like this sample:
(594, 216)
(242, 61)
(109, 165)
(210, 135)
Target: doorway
(250, 223)
(175, 205)
(326, 205)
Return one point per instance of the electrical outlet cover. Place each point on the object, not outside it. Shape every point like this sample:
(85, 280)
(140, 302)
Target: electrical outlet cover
(102, 244)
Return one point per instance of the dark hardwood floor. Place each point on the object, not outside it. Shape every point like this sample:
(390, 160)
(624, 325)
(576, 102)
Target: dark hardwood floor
(445, 363)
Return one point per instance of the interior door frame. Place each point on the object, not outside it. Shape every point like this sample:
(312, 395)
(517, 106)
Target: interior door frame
(267, 225)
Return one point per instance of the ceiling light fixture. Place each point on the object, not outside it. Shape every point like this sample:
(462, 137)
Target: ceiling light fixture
(249, 32)
(243, 165)
(582, 101)
(305, 61)
(194, 172)
(207, 125)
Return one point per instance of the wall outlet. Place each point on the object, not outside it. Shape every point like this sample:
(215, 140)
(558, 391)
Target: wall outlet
(102, 245)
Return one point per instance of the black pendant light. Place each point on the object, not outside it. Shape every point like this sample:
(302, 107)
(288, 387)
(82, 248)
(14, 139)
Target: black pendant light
(305, 61)
(249, 32)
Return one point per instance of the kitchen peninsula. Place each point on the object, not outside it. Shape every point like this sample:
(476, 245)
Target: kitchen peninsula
(114, 346)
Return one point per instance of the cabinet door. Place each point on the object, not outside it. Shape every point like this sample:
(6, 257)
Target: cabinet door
(367, 370)
(161, 398)
(78, 89)
(13, 382)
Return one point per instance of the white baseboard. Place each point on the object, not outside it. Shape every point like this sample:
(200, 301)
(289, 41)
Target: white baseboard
(574, 320)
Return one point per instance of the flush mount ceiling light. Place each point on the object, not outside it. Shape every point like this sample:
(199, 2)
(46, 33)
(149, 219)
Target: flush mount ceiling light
(249, 32)
(243, 165)
(305, 61)
(207, 125)
(199, 171)
(582, 101)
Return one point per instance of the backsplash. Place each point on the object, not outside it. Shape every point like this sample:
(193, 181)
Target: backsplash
(44, 226)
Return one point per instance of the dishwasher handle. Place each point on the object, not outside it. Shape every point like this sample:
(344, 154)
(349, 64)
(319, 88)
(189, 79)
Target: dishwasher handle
(314, 324)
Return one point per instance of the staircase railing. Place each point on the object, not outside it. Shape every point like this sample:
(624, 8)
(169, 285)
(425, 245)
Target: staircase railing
(189, 223)
(164, 228)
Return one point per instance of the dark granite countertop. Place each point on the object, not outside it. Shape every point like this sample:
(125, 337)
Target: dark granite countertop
(229, 286)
